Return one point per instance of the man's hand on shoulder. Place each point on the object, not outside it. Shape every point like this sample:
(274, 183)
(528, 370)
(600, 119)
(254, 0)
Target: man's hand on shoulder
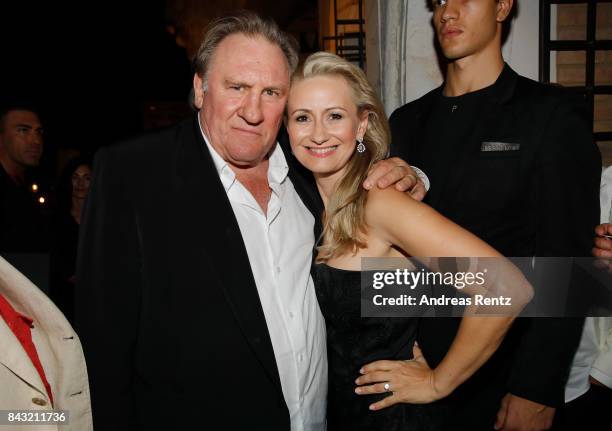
(521, 414)
(395, 171)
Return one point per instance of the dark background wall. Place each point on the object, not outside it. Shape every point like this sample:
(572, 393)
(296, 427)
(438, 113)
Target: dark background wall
(103, 70)
(90, 65)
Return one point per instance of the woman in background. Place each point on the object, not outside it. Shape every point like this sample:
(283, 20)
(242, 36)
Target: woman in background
(71, 193)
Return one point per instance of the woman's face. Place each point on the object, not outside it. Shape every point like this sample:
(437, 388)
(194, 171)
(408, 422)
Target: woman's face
(80, 181)
(323, 124)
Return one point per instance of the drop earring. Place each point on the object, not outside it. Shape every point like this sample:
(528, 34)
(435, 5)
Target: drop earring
(360, 146)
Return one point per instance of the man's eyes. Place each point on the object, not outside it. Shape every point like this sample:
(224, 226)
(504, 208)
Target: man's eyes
(25, 130)
(266, 92)
(437, 3)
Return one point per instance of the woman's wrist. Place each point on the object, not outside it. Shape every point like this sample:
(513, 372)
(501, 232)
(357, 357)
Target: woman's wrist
(442, 383)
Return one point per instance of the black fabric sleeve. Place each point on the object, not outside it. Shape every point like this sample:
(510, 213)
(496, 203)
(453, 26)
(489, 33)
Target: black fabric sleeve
(108, 293)
(567, 191)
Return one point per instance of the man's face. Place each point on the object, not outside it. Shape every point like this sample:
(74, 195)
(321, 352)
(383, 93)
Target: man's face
(242, 108)
(21, 138)
(468, 27)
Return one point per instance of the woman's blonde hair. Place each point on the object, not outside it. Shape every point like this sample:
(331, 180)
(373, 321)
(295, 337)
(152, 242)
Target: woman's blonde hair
(344, 219)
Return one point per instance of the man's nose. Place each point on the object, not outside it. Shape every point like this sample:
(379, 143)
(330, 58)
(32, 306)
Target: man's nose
(450, 10)
(36, 138)
(251, 109)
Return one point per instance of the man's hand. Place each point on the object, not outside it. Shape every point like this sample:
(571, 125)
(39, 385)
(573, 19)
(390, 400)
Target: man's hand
(603, 244)
(520, 414)
(594, 381)
(603, 247)
(395, 171)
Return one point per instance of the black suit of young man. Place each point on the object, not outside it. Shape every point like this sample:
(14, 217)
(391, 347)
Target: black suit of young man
(520, 170)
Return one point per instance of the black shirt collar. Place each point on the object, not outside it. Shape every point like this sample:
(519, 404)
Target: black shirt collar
(501, 90)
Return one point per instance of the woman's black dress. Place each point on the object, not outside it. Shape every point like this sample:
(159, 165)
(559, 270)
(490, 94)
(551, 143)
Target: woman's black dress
(354, 341)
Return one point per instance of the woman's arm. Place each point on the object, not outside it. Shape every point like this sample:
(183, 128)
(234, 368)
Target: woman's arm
(418, 229)
(421, 231)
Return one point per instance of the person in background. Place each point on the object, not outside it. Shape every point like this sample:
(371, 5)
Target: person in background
(514, 162)
(23, 225)
(588, 393)
(72, 190)
(42, 367)
(603, 233)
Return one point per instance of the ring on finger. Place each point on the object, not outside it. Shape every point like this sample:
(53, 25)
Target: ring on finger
(387, 387)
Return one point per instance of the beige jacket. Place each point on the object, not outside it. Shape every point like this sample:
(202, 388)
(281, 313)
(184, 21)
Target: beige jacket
(60, 353)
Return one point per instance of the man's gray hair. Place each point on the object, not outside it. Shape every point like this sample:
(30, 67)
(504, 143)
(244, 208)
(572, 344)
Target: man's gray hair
(249, 24)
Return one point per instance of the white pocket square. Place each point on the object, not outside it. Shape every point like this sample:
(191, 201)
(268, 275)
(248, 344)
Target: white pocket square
(499, 146)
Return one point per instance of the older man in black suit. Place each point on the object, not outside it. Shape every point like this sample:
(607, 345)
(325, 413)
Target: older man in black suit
(514, 162)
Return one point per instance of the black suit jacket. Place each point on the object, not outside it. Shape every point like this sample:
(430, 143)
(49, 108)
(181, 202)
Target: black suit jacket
(167, 307)
(540, 200)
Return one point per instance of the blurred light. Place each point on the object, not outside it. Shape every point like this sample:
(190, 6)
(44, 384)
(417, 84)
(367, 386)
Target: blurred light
(41, 200)
(34, 187)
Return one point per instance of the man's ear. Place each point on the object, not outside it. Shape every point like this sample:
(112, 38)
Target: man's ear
(198, 91)
(504, 7)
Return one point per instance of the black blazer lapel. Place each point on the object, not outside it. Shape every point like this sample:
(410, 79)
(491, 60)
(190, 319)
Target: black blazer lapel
(303, 181)
(207, 227)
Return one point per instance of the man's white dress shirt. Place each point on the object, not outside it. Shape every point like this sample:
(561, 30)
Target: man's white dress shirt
(279, 245)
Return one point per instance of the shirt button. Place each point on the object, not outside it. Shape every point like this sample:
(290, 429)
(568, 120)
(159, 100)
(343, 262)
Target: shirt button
(300, 357)
(39, 401)
(291, 314)
(278, 269)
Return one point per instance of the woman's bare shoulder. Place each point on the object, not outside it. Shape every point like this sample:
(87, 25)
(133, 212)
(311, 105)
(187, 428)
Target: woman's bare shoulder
(383, 206)
(385, 199)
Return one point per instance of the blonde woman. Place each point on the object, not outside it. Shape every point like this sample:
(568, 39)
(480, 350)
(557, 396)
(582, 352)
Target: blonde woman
(338, 129)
